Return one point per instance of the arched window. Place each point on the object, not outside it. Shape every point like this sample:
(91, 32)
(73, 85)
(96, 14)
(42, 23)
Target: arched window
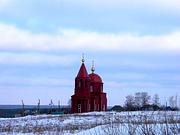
(79, 108)
(86, 84)
(80, 83)
(91, 88)
(101, 88)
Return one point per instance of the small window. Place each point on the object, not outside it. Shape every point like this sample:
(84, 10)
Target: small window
(86, 83)
(104, 109)
(91, 88)
(94, 105)
(79, 108)
(101, 88)
(79, 84)
(89, 107)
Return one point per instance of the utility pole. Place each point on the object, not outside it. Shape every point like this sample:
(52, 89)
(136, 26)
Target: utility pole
(38, 106)
(59, 105)
(23, 108)
(51, 104)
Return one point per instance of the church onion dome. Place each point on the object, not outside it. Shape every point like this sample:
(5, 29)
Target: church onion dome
(95, 78)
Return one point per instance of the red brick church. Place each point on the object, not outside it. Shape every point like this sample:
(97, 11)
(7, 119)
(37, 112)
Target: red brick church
(88, 94)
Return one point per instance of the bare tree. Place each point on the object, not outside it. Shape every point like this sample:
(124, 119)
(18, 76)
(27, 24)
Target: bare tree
(69, 103)
(172, 101)
(145, 98)
(176, 101)
(141, 99)
(156, 100)
(138, 100)
(130, 102)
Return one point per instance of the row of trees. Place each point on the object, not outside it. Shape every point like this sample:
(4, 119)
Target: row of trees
(143, 101)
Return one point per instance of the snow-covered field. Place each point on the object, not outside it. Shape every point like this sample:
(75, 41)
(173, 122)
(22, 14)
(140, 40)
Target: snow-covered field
(95, 123)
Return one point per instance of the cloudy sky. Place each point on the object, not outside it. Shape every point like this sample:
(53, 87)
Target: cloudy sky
(135, 46)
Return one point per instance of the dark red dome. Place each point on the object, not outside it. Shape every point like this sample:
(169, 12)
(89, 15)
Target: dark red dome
(95, 78)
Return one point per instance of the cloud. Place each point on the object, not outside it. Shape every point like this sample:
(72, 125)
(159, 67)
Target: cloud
(4, 3)
(103, 16)
(15, 39)
(132, 85)
(9, 58)
(12, 81)
(101, 4)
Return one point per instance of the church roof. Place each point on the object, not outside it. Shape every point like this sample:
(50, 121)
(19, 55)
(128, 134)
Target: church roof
(95, 78)
(82, 72)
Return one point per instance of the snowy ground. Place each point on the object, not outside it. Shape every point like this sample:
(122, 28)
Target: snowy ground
(94, 123)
